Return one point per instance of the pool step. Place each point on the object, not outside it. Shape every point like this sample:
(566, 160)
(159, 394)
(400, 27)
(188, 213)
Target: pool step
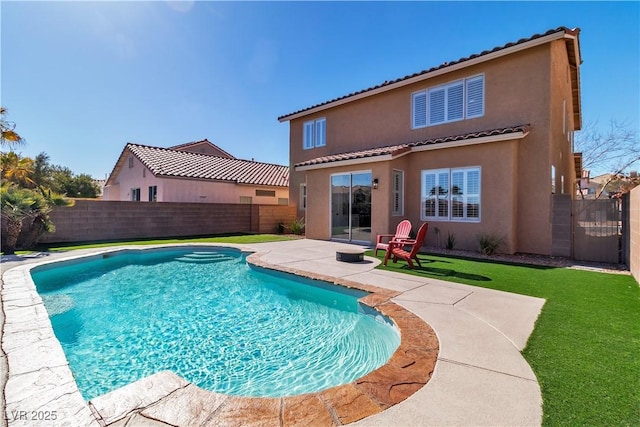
(205, 257)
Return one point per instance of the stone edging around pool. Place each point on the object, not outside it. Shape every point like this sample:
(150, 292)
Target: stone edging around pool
(40, 380)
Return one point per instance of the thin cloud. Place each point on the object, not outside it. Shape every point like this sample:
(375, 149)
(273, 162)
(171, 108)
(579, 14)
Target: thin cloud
(183, 6)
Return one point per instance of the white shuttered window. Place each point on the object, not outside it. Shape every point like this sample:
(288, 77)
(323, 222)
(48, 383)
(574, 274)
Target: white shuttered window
(475, 96)
(437, 103)
(451, 194)
(455, 102)
(459, 100)
(419, 103)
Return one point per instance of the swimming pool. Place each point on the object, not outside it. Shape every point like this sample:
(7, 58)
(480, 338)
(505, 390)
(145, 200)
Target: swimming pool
(211, 318)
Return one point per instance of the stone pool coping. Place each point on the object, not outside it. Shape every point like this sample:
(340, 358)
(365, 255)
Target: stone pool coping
(40, 382)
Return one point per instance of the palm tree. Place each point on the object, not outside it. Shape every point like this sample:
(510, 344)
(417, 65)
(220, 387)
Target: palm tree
(17, 169)
(10, 137)
(17, 205)
(25, 197)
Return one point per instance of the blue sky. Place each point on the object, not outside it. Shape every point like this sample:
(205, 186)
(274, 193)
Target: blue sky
(81, 79)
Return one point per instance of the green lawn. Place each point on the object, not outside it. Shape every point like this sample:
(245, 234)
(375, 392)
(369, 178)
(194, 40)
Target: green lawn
(240, 239)
(585, 348)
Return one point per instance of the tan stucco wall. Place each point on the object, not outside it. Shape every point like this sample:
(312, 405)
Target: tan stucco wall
(552, 148)
(497, 207)
(522, 88)
(513, 96)
(184, 190)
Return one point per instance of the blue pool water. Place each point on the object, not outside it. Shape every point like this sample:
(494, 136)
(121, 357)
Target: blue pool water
(211, 318)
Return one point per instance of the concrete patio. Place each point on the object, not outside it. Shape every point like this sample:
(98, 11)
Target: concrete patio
(480, 376)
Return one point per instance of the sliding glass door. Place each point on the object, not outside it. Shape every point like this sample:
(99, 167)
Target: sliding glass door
(351, 206)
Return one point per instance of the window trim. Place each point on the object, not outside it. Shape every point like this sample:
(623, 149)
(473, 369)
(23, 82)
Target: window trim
(314, 133)
(448, 172)
(426, 121)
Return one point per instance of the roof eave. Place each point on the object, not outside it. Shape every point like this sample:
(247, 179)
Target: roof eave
(348, 162)
(116, 168)
(417, 148)
(428, 75)
(472, 141)
(575, 60)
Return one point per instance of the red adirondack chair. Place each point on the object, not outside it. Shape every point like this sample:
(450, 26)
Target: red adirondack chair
(396, 248)
(402, 233)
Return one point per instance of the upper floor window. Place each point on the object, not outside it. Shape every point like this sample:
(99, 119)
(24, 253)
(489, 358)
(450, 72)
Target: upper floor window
(451, 194)
(459, 100)
(315, 133)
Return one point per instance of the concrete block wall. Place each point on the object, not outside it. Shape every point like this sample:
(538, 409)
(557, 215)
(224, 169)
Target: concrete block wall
(561, 225)
(96, 220)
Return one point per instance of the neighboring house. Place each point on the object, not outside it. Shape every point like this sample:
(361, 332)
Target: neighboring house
(203, 147)
(195, 172)
(585, 187)
(478, 145)
(100, 185)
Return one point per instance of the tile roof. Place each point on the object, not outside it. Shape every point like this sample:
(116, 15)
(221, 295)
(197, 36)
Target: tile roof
(396, 150)
(181, 147)
(439, 67)
(392, 150)
(183, 164)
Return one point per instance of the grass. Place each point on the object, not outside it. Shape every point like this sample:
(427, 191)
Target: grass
(239, 239)
(585, 348)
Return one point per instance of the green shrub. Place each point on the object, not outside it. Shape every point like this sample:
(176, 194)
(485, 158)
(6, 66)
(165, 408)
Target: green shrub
(489, 243)
(297, 226)
(451, 241)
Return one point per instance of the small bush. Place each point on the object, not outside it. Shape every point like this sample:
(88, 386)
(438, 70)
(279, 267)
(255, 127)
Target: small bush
(489, 243)
(297, 226)
(280, 228)
(451, 241)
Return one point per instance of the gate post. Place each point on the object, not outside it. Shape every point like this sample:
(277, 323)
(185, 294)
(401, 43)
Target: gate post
(625, 244)
(561, 231)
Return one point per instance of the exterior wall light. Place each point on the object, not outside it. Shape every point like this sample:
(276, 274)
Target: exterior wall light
(375, 184)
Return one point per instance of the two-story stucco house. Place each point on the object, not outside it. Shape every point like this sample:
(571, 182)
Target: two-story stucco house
(194, 172)
(477, 145)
